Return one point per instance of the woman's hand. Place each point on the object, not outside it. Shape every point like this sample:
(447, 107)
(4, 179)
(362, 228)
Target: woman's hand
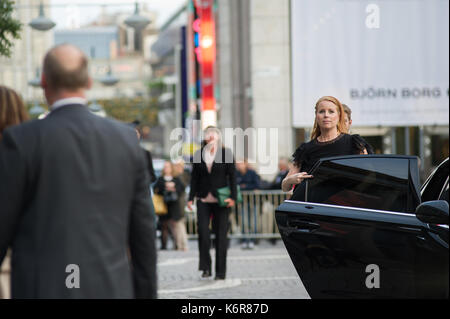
(293, 178)
(170, 186)
(230, 202)
(189, 205)
(298, 178)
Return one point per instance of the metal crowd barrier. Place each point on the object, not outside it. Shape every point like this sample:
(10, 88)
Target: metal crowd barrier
(252, 219)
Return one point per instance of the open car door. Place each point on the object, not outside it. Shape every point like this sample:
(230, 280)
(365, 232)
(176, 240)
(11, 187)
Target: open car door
(351, 231)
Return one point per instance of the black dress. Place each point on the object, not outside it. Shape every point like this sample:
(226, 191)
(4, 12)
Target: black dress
(306, 156)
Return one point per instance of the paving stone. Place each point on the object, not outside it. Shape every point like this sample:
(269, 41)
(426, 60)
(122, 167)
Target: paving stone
(265, 272)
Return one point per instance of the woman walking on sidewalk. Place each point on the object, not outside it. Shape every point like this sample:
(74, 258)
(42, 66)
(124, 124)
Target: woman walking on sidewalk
(213, 169)
(171, 188)
(179, 220)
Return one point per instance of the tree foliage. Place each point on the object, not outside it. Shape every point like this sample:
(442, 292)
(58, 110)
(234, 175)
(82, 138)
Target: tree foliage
(130, 109)
(9, 27)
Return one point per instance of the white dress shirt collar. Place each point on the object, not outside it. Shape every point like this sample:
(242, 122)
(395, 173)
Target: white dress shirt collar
(68, 101)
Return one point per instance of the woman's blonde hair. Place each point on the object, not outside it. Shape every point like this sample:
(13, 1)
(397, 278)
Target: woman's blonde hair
(341, 123)
(214, 129)
(171, 167)
(12, 109)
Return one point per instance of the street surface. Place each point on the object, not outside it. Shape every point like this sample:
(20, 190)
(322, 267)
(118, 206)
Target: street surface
(265, 272)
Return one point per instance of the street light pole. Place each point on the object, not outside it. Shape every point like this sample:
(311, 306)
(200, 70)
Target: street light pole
(136, 21)
(109, 79)
(41, 23)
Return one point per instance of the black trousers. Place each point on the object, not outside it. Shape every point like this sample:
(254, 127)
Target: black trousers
(220, 228)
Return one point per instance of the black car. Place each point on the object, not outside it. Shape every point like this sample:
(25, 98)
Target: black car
(364, 229)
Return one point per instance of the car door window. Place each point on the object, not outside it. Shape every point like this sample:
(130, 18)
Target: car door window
(444, 194)
(432, 188)
(373, 183)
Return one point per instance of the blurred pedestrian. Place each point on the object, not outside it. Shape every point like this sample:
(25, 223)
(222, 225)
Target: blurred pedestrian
(347, 117)
(172, 189)
(329, 138)
(213, 169)
(12, 109)
(148, 155)
(283, 170)
(181, 172)
(348, 123)
(12, 112)
(248, 180)
(74, 197)
(246, 177)
(180, 225)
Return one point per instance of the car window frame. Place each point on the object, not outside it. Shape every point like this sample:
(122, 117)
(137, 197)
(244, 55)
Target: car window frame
(412, 185)
(444, 188)
(429, 181)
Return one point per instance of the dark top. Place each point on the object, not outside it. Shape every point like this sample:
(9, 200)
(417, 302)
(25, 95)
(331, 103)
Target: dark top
(276, 184)
(248, 181)
(309, 153)
(174, 210)
(74, 190)
(223, 173)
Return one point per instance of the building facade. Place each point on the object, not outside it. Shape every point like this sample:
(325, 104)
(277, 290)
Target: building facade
(269, 50)
(28, 51)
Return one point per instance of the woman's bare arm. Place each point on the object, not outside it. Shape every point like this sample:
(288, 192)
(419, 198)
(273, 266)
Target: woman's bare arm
(285, 184)
(294, 177)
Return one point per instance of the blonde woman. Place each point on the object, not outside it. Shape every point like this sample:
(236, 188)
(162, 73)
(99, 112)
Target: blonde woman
(179, 223)
(329, 138)
(172, 189)
(215, 169)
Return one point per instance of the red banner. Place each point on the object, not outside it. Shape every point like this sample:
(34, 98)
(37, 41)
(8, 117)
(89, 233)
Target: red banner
(208, 52)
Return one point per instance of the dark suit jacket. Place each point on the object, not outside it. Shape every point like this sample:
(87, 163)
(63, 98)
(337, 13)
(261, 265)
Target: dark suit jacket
(151, 170)
(223, 173)
(74, 190)
(248, 181)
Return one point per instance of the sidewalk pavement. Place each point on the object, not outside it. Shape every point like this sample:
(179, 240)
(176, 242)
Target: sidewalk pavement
(265, 272)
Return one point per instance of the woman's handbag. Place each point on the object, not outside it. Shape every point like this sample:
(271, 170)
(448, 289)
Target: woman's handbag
(159, 205)
(224, 193)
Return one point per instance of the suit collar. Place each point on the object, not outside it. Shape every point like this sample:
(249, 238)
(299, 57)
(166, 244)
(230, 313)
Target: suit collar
(68, 108)
(68, 101)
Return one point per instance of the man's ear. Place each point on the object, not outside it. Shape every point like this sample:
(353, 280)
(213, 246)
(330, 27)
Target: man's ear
(90, 83)
(43, 81)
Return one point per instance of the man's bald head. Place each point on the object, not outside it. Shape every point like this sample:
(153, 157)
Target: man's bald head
(66, 68)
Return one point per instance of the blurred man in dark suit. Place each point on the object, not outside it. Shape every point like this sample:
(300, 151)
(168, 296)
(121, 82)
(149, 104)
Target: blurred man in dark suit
(74, 197)
(283, 170)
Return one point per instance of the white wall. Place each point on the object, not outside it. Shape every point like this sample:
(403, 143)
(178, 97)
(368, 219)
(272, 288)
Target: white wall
(270, 50)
